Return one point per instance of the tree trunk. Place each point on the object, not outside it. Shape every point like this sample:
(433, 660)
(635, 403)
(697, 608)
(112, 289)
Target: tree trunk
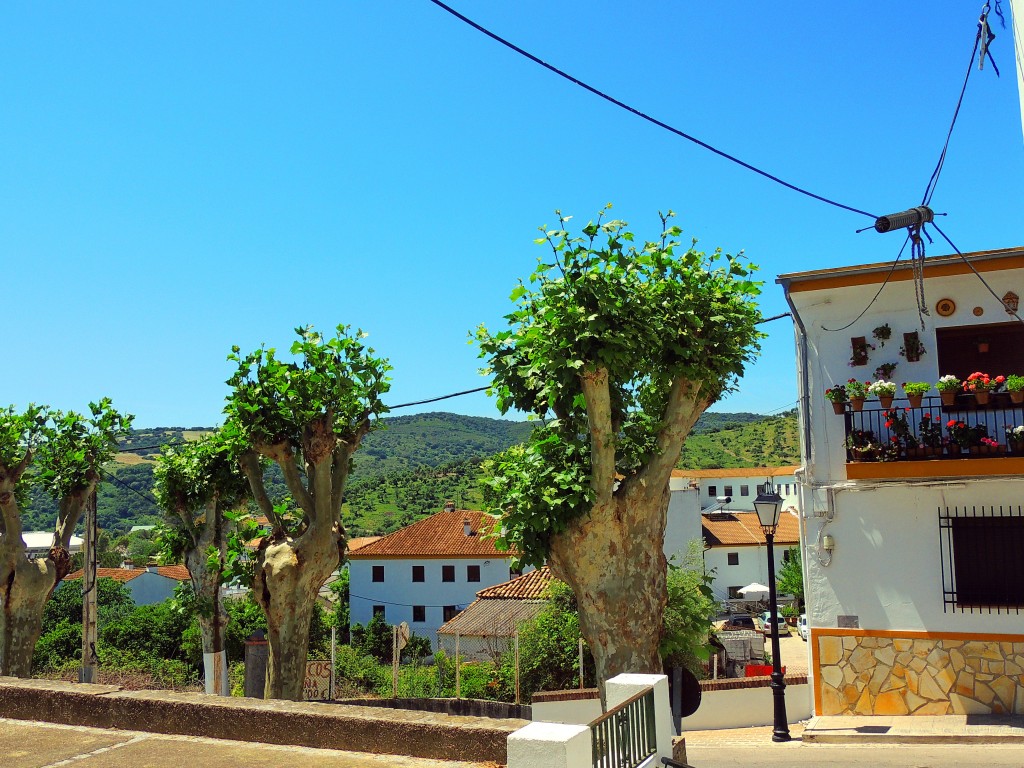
(289, 574)
(614, 561)
(213, 621)
(25, 587)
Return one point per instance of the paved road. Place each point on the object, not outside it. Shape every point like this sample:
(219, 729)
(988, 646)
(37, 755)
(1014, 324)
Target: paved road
(45, 745)
(754, 748)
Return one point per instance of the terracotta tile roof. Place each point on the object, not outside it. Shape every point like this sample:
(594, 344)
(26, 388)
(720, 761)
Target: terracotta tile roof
(440, 535)
(737, 528)
(492, 618)
(736, 472)
(360, 541)
(177, 572)
(529, 586)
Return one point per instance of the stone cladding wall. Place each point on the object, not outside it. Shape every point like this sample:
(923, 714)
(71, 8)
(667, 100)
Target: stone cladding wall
(860, 675)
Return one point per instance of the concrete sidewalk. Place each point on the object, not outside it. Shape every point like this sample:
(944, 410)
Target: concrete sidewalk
(910, 729)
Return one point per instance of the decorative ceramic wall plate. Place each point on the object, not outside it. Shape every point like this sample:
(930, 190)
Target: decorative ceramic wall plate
(945, 307)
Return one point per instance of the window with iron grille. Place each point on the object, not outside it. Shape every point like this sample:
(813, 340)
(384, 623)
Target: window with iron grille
(472, 573)
(744, 490)
(378, 573)
(728, 490)
(417, 573)
(419, 613)
(733, 558)
(447, 573)
(982, 569)
(712, 490)
(450, 612)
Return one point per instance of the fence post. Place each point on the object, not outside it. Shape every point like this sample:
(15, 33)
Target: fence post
(621, 687)
(334, 653)
(394, 662)
(581, 662)
(458, 670)
(517, 665)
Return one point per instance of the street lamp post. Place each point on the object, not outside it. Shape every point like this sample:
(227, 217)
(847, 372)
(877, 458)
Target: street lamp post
(768, 505)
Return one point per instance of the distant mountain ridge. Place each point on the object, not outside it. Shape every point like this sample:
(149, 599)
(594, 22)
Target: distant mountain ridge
(413, 465)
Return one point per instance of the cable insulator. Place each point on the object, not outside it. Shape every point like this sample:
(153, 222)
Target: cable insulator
(914, 217)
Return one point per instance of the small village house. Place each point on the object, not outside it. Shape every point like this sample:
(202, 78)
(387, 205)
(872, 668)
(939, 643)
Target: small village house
(427, 572)
(912, 523)
(148, 585)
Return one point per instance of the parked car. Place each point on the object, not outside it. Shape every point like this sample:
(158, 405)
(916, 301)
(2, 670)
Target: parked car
(801, 626)
(739, 622)
(781, 627)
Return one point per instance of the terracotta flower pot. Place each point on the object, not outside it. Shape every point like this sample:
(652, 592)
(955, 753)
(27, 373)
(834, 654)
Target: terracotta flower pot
(863, 454)
(839, 408)
(915, 400)
(886, 401)
(857, 403)
(1017, 397)
(981, 396)
(948, 398)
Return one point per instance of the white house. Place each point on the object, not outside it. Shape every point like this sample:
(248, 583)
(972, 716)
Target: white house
(740, 484)
(38, 543)
(427, 572)
(149, 585)
(736, 549)
(914, 574)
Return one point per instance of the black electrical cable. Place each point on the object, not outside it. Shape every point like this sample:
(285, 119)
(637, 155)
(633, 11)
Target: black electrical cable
(143, 496)
(976, 272)
(877, 293)
(934, 180)
(643, 115)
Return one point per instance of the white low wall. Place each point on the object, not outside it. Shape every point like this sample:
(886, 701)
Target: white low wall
(744, 707)
(739, 707)
(576, 712)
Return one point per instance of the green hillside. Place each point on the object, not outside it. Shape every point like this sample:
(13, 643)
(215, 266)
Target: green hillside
(410, 468)
(769, 441)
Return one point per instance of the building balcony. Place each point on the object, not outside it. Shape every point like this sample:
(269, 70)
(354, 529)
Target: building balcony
(962, 439)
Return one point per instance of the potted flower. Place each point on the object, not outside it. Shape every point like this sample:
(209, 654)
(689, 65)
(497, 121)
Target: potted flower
(912, 348)
(981, 385)
(986, 445)
(857, 391)
(916, 391)
(948, 387)
(837, 396)
(929, 436)
(885, 391)
(1015, 439)
(885, 371)
(862, 445)
(1015, 386)
(882, 334)
(859, 353)
(959, 437)
(900, 434)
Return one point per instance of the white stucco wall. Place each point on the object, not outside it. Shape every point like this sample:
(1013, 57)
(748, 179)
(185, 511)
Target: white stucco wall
(753, 566)
(746, 707)
(784, 484)
(148, 588)
(683, 523)
(398, 592)
(886, 567)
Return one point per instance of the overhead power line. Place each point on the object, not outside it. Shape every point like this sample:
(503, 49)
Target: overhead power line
(643, 115)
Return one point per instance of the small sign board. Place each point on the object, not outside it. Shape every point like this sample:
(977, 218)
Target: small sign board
(317, 685)
(403, 635)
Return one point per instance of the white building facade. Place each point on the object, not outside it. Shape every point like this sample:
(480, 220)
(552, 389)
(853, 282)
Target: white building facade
(913, 564)
(426, 573)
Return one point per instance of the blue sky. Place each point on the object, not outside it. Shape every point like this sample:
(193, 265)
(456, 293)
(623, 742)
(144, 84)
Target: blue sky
(180, 178)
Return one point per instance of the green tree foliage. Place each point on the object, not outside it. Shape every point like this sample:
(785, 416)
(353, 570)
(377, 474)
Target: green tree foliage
(375, 639)
(549, 651)
(625, 346)
(308, 415)
(60, 641)
(689, 612)
(790, 579)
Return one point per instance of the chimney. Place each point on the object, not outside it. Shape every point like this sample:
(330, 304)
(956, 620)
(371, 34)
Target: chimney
(466, 527)
(449, 506)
